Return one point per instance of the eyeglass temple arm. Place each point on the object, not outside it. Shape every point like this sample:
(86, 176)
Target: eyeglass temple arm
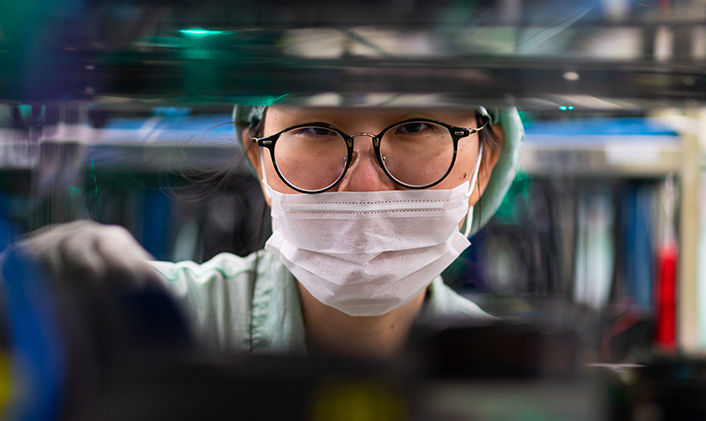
(263, 141)
(477, 129)
(463, 132)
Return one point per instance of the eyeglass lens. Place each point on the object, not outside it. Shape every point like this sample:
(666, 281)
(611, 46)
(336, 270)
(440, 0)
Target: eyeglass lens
(417, 153)
(414, 153)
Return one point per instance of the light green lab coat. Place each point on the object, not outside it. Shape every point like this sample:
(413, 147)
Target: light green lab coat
(262, 314)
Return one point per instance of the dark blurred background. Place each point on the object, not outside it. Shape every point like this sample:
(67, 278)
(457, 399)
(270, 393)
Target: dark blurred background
(120, 112)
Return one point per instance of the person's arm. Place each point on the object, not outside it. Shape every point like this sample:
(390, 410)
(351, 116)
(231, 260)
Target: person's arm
(86, 251)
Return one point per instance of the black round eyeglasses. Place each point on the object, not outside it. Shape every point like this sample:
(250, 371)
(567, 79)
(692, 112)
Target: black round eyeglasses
(417, 153)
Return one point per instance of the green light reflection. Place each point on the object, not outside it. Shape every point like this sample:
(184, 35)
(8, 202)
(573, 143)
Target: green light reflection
(200, 32)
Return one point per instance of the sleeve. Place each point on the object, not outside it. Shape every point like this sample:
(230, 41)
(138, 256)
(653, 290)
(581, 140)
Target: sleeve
(447, 303)
(215, 295)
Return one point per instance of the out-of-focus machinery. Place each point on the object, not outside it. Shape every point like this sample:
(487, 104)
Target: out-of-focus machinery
(74, 73)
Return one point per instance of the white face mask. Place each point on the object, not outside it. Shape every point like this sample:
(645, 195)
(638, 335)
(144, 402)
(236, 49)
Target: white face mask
(367, 253)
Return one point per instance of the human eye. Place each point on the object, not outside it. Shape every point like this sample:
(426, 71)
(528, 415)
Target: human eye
(414, 127)
(313, 131)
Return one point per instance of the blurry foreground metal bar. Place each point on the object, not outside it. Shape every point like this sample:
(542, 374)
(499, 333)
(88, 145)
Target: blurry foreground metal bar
(524, 53)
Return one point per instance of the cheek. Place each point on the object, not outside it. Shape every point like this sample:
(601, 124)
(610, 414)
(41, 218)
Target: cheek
(273, 179)
(464, 165)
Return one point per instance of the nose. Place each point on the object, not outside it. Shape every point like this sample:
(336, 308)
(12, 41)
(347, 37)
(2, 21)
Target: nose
(364, 172)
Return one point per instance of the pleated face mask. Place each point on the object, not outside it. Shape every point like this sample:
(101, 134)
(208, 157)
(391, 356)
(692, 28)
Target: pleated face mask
(367, 253)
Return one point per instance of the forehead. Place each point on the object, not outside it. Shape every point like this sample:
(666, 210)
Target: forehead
(289, 115)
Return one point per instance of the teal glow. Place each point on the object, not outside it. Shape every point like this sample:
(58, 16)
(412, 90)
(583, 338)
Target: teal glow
(265, 100)
(25, 111)
(199, 32)
(565, 107)
(275, 100)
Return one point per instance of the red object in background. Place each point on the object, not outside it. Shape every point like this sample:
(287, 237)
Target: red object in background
(666, 296)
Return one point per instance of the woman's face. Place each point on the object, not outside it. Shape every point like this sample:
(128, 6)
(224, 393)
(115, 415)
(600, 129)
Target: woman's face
(364, 172)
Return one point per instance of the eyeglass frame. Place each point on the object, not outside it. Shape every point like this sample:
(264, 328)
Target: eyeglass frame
(457, 133)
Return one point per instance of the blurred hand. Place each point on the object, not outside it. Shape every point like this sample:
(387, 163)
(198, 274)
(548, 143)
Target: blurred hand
(90, 251)
(98, 300)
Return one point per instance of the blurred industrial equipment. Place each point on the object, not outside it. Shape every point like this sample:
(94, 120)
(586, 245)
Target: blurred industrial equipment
(121, 112)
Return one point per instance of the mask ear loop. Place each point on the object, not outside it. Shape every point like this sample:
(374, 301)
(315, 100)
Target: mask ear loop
(268, 189)
(469, 212)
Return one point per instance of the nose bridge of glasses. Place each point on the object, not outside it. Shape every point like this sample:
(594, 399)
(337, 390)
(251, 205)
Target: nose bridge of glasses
(364, 149)
(365, 172)
(375, 139)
